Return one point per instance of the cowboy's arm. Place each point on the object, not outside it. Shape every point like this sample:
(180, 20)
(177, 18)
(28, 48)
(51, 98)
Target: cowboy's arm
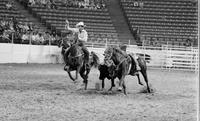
(70, 29)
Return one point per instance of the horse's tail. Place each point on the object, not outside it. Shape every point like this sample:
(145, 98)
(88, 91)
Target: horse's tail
(95, 59)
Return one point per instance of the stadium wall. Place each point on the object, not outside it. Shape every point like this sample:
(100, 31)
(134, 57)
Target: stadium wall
(159, 58)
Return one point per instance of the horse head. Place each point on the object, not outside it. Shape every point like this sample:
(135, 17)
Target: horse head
(108, 53)
(115, 54)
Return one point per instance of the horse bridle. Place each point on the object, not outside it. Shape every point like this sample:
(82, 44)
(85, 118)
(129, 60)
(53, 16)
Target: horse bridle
(109, 58)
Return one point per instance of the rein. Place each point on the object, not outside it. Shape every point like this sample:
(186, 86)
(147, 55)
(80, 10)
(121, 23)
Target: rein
(76, 56)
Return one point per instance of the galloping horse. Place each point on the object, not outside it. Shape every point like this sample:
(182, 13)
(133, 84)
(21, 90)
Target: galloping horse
(75, 60)
(124, 65)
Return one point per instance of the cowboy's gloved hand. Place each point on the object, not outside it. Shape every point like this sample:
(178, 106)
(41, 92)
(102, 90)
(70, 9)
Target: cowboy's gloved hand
(67, 22)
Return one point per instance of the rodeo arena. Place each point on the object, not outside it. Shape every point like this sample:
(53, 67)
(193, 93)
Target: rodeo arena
(99, 60)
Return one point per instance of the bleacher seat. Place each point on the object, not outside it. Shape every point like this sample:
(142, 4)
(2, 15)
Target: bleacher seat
(173, 19)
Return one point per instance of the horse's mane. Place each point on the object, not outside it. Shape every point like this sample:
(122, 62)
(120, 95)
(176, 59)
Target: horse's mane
(120, 51)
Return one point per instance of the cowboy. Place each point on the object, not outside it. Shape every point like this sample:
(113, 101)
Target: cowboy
(82, 38)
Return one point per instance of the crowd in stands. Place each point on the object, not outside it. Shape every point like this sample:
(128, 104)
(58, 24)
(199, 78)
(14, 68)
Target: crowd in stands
(53, 4)
(135, 3)
(9, 5)
(25, 33)
(44, 3)
(90, 4)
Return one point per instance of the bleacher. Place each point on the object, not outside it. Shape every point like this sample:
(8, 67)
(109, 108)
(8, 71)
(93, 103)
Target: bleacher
(166, 21)
(10, 13)
(98, 22)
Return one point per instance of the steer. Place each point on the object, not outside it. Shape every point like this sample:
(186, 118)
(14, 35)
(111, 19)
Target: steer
(107, 72)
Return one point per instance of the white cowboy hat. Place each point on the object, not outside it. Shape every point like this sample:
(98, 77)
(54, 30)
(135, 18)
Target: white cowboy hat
(80, 24)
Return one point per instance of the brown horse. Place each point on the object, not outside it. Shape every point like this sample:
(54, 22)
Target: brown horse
(75, 61)
(124, 65)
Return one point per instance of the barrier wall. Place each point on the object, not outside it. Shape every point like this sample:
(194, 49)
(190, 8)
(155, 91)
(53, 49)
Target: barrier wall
(164, 57)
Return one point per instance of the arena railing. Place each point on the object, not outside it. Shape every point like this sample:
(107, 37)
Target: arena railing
(165, 57)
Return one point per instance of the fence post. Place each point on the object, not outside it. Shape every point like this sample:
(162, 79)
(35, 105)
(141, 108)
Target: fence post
(12, 37)
(30, 38)
(106, 43)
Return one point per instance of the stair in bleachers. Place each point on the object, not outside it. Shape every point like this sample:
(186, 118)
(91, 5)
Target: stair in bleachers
(120, 23)
(29, 16)
(166, 21)
(8, 14)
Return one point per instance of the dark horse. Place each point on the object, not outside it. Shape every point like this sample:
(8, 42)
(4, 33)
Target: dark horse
(75, 61)
(123, 64)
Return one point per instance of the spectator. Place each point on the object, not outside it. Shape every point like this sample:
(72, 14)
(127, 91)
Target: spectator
(14, 20)
(31, 2)
(53, 4)
(25, 27)
(46, 38)
(43, 3)
(35, 38)
(87, 3)
(38, 2)
(188, 42)
(20, 27)
(6, 37)
(52, 39)
(11, 28)
(25, 38)
(137, 34)
(3, 25)
(136, 4)
(30, 26)
(48, 5)
(40, 38)
(9, 5)
(141, 4)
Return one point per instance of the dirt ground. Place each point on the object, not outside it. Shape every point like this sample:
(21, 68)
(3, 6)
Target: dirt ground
(34, 92)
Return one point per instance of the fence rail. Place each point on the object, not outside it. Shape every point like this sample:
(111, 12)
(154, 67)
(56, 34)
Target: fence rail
(165, 57)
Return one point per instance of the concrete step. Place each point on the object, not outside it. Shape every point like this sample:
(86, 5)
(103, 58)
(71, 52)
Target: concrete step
(120, 22)
(29, 16)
